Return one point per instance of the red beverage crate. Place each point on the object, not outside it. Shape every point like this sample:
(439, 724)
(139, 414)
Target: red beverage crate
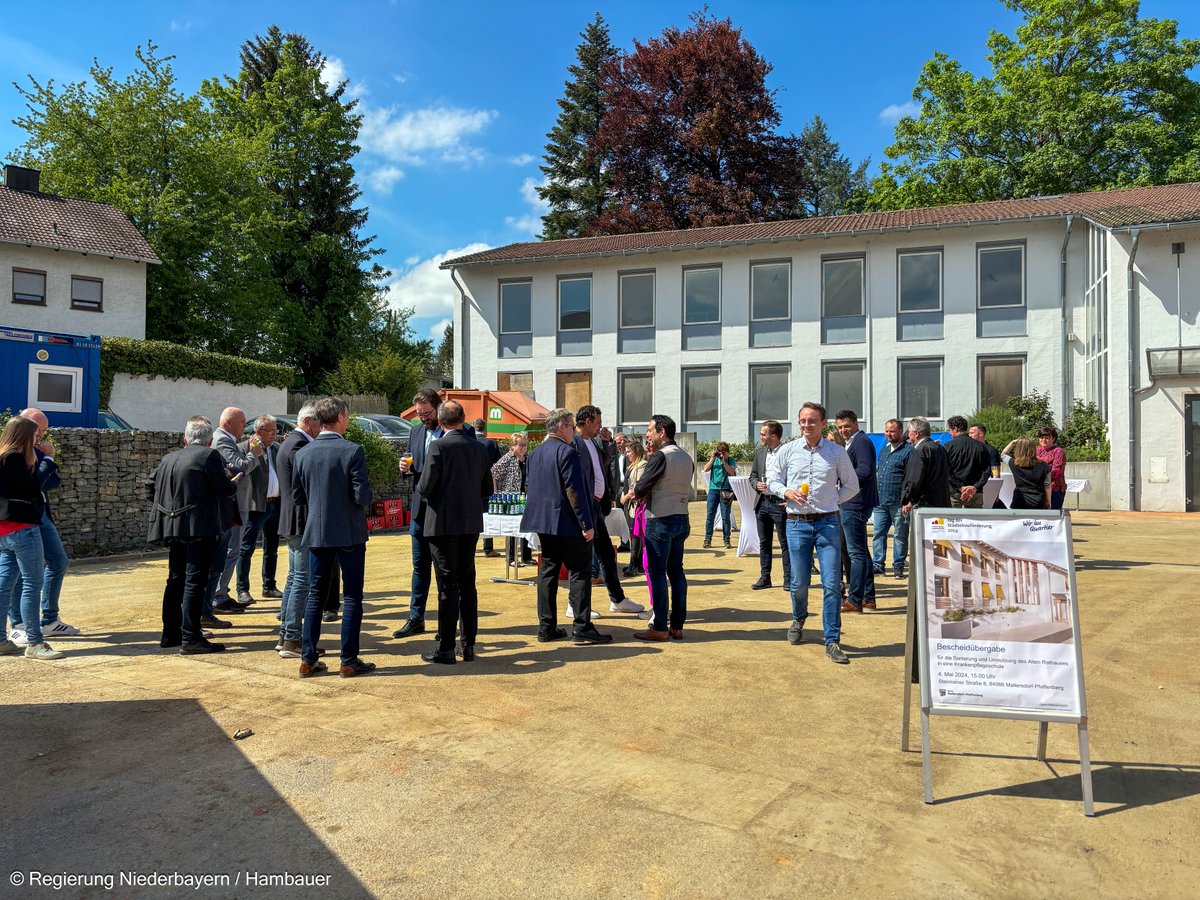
(391, 507)
(406, 517)
(378, 509)
(393, 521)
(374, 523)
(562, 570)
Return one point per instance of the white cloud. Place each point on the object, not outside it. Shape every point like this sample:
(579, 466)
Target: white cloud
(176, 25)
(523, 159)
(437, 331)
(426, 288)
(531, 221)
(401, 78)
(893, 113)
(383, 179)
(413, 136)
(333, 72)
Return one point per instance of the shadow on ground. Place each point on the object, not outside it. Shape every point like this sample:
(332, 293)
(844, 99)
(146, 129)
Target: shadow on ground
(155, 786)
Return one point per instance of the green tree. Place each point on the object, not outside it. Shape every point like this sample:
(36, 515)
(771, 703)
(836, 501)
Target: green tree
(577, 183)
(443, 360)
(832, 186)
(383, 372)
(1088, 95)
(143, 146)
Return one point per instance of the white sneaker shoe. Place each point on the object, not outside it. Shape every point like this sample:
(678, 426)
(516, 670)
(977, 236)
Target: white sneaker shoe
(42, 651)
(646, 614)
(19, 637)
(625, 605)
(571, 613)
(59, 628)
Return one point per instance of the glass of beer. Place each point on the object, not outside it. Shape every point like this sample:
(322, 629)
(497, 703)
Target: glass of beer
(995, 471)
(804, 489)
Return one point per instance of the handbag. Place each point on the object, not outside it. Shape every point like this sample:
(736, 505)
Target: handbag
(726, 496)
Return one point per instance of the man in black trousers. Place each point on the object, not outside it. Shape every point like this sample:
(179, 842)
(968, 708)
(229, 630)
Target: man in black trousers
(769, 513)
(559, 511)
(187, 488)
(456, 482)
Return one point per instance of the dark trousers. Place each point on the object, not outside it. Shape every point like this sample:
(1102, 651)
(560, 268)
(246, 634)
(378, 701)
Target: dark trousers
(188, 566)
(602, 545)
(422, 576)
(333, 592)
(454, 566)
(576, 554)
(321, 566)
(854, 544)
(772, 522)
(266, 523)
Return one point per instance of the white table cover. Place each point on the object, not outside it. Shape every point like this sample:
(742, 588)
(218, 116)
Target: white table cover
(510, 526)
(719, 517)
(744, 491)
(1001, 487)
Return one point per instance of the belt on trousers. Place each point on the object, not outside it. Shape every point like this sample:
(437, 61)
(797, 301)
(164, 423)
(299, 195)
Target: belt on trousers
(808, 517)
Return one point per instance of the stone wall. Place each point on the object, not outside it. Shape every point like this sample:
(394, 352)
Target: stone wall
(102, 506)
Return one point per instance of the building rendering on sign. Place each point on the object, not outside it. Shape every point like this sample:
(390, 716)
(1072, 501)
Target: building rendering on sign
(927, 312)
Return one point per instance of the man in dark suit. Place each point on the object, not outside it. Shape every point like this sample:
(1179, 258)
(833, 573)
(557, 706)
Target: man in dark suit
(263, 513)
(457, 481)
(559, 509)
(600, 489)
(330, 480)
(969, 466)
(854, 512)
(240, 458)
(493, 455)
(292, 518)
(769, 512)
(187, 488)
(926, 475)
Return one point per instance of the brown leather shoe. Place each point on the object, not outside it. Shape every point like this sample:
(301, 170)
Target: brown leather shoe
(308, 670)
(651, 635)
(492, 554)
(869, 604)
(851, 606)
(598, 581)
(676, 634)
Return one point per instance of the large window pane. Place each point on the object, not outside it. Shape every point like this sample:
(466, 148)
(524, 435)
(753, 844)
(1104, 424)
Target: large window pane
(516, 308)
(1000, 379)
(29, 287)
(637, 300)
(55, 387)
(844, 387)
(637, 397)
(920, 282)
(86, 293)
(842, 287)
(769, 393)
(921, 388)
(575, 304)
(1001, 276)
(769, 290)
(701, 296)
(701, 389)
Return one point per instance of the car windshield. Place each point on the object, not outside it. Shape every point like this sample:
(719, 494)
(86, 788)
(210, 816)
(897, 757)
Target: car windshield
(393, 425)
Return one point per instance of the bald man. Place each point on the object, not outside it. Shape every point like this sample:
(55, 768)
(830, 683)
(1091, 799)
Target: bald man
(55, 555)
(240, 460)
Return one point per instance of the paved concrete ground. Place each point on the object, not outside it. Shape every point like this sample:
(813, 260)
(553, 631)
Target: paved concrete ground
(732, 764)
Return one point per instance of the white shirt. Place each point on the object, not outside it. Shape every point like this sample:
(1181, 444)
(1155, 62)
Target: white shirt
(598, 488)
(272, 479)
(827, 470)
(773, 473)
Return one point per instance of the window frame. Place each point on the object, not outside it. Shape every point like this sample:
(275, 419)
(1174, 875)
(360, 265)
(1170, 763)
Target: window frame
(86, 307)
(25, 271)
(756, 368)
(637, 273)
(861, 259)
(622, 419)
(992, 247)
(980, 361)
(917, 360)
(691, 372)
(939, 252)
(761, 263)
(702, 267)
(845, 364)
(500, 312)
(558, 302)
(76, 403)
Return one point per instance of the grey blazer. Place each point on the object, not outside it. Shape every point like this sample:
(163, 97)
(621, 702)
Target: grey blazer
(330, 479)
(260, 478)
(237, 458)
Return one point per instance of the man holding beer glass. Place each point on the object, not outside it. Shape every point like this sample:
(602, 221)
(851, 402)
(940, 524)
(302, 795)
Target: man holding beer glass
(817, 477)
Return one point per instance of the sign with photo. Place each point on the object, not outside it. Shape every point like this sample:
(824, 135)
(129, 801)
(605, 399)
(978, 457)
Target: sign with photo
(998, 615)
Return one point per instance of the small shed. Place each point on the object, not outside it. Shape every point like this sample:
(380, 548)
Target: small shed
(57, 373)
(505, 412)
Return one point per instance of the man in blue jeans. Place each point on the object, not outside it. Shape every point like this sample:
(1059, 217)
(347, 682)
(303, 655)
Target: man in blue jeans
(292, 518)
(853, 513)
(665, 485)
(889, 478)
(54, 556)
(817, 478)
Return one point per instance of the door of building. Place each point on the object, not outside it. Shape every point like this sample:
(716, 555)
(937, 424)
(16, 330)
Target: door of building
(1191, 459)
(573, 390)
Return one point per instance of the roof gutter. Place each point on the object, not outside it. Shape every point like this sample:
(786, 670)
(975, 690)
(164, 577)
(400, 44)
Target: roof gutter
(1150, 226)
(1131, 329)
(142, 259)
(1062, 302)
(460, 330)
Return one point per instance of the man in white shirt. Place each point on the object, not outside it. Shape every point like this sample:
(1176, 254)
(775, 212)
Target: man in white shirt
(817, 477)
(768, 509)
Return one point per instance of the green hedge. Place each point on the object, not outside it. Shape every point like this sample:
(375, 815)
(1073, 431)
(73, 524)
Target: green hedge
(383, 468)
(167, 360)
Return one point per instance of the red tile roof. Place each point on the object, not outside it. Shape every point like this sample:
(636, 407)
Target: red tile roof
(65, 223)
(1112, 209)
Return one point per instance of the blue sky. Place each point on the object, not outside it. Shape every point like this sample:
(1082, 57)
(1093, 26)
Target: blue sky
(458, 98)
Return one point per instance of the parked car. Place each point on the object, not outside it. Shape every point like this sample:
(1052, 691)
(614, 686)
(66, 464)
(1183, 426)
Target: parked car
(109, 420)
(391, 426)
(286, 425)
(372, 423)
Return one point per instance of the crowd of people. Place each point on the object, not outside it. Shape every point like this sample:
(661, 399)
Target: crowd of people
(213, 500)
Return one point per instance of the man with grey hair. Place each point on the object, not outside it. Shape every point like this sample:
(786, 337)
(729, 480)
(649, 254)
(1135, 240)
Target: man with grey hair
(292, 517)
(187, 488)
(241, 461)
(927, 473)
(264, 513)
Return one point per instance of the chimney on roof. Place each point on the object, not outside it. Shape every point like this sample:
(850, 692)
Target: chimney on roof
(21, 179)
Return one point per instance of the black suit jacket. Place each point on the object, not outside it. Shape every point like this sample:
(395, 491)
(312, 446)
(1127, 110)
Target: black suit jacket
(456, 482)
(260, 478)
(416, 447)
(330, 479)
(188, 488)
(291, 515)
(759, 473)
(492, 448)
(926, 476)
(589, 473)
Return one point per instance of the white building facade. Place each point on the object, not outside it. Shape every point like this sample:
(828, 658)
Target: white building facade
(921, 312)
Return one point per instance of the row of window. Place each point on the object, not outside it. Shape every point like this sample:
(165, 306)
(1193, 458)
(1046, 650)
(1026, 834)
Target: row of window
(842, 387)
(1000, 300)
(29, 287)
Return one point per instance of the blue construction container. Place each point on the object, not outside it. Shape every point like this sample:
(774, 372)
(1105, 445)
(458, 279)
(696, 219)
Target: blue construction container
(57, 373)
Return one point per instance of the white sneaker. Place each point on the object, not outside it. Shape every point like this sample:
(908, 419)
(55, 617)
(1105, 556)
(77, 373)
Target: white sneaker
(571, 613)
(625, 605)
(59, 628)
(646, 614)
(19, 637)
(42, 651)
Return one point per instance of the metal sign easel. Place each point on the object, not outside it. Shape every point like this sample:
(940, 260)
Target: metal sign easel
(916, 648)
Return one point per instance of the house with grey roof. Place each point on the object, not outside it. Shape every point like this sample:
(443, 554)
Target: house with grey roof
(69, 265)
(927, 312)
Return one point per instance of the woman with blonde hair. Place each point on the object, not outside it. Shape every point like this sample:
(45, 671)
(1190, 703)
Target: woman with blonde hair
(1031, 475)
(21, 510)
(508, 473)
(635, 460)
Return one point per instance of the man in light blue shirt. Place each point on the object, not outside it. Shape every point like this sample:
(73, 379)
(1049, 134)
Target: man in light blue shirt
(817, 477)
